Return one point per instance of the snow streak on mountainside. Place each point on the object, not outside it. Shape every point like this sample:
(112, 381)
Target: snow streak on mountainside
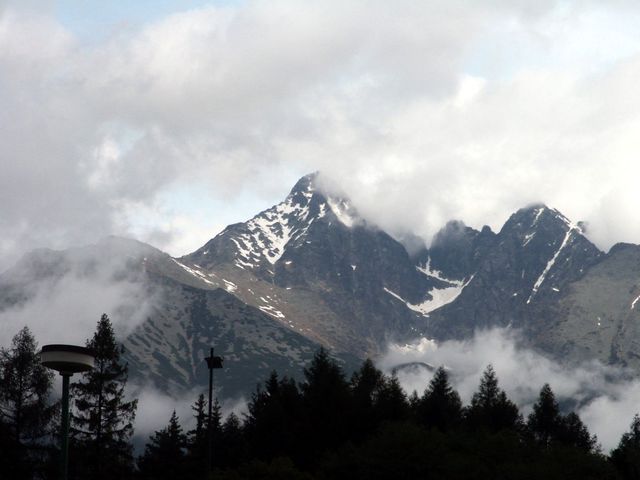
(443, 293)
(570, 230)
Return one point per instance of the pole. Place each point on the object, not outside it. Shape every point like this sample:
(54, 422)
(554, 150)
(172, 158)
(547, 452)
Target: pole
(209, 423)
(64, 441)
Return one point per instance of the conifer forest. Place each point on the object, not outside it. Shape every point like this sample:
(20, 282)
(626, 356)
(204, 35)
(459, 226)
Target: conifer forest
(328, 426)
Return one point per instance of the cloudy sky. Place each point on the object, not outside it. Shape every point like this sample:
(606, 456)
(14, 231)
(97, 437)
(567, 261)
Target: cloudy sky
(167, 120)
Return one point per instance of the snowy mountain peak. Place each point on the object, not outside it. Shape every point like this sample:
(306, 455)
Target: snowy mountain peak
(538, 221)
(306, 185)
(265, 236)
(328, 202)
(262, 240)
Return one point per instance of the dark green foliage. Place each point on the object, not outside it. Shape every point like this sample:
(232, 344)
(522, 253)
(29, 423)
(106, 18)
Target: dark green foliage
(197, 439)
(405, 450)
(231, 451)
(626, 457)
(574, 433)
(326, 398)
(547, 425)
(392, 403)
(273, 421)
(490, 408)
(281, 468)
(164, 455)
(197, 443)
(198, 436)
(25, 410)
(24, 389)
(366, 385)
(102, 419)
(440, 406)
(545, 421)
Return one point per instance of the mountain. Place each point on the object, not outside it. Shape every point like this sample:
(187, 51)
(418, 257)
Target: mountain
(312, 263)
(516, 273)
(182, 316)
(311, 271)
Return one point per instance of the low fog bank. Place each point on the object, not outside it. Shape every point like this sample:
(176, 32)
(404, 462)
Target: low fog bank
(605, 397)
(62, 295)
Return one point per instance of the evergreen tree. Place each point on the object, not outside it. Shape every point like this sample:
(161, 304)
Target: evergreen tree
(216, 418)
(490, 408)
(197, 439)
(440, 406)
(273, 420)
(199, 433)
(574, 432)
(231, 451)
(414, 401)
(25, 385)
(547, 425)
(25, 412)
(102, 420)
(164, 455)
(392, 403)
(626, 457)
(366, 385)
(327, 401)
(545, 422)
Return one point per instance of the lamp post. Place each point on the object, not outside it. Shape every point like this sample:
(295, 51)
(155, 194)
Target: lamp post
(67, 360)
(212, 362)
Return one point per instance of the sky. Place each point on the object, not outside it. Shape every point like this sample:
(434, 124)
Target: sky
(167, 120)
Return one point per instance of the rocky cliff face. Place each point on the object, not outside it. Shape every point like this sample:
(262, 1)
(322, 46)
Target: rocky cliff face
(518, 272)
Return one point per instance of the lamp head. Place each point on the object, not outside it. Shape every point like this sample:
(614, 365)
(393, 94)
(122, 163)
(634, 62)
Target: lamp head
(67, 359)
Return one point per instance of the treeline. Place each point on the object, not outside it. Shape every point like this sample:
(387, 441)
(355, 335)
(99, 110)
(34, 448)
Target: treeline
(327, 426)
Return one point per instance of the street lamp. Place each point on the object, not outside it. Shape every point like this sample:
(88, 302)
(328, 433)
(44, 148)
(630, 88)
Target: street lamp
(67, 360)
(212, 362)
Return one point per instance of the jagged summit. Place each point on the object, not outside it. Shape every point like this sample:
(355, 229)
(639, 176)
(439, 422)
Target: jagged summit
(261, 241)
(552, 248)
(539, 214)
(455, 250)
(307, 183)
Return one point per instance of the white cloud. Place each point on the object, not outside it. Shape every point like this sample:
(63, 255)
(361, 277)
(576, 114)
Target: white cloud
(606, 397)
(433, 110)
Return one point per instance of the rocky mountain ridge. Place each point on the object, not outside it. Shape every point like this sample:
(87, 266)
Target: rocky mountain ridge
(311, 271)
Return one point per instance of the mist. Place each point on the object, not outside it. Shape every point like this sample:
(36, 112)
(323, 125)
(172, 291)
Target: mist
(155, 409)
(66, 293)
(605, 397)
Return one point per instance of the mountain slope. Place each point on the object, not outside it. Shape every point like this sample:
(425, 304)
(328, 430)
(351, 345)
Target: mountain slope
(599, 315)
(182, 316)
